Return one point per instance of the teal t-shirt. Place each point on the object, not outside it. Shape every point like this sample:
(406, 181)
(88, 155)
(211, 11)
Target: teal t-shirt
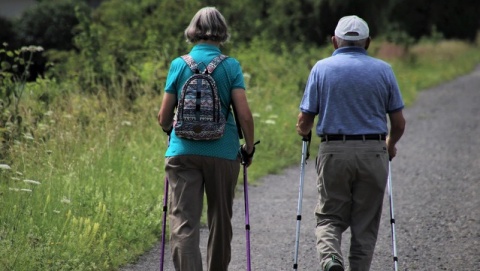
(228, 76)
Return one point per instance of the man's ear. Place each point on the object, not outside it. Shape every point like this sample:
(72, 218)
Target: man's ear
(367, 43)
(334, 42)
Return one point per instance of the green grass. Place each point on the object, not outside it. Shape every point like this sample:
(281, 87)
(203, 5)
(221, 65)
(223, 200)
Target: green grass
(96, 203)
(85, 187)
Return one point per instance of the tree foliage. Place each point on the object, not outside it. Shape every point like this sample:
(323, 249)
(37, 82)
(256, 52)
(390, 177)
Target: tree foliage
(118, 38)
(49, 24)
(121, 42)
(7, 34)
(454, 19)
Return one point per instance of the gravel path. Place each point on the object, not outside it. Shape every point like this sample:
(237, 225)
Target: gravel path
(436, 192)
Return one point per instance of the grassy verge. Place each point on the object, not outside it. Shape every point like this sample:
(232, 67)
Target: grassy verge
(84, 190)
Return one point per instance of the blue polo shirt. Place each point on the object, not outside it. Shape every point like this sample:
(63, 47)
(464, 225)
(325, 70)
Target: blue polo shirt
(351, 93)
(228, 76)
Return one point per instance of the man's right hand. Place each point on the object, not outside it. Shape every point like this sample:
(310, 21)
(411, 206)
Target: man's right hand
(392, 151)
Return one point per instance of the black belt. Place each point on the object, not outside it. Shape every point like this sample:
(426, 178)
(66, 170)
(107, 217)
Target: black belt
(352, 137)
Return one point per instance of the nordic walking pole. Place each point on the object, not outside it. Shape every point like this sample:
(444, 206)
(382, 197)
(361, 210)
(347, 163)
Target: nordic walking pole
(247, 218)
(247, 212)
(164, 222)
(305, 155)
(392, 218)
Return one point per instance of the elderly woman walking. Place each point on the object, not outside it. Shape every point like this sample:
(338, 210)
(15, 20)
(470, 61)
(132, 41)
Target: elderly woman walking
(195, 167)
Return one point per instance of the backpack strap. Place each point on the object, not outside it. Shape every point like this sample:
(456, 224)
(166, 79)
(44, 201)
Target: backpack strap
(190, 62)
(211, 67)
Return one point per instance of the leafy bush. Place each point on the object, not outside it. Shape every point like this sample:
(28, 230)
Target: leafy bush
(14, 73)
(49, 24)
(7, 35)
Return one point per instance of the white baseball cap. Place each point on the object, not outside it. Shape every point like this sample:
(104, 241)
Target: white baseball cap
(352, 28)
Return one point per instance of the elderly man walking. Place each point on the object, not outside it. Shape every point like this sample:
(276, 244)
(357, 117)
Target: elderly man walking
(352, 94)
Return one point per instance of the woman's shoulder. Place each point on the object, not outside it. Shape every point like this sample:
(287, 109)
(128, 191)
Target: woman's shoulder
(232, 63)
(177, 61)
(232, 60)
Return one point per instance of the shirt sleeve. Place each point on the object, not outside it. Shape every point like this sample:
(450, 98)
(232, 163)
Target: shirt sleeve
(310, 100)
(238, 80)
(171, 84)
(395, 101)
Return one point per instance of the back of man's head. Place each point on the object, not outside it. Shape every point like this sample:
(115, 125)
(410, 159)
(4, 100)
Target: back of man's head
(352, 31)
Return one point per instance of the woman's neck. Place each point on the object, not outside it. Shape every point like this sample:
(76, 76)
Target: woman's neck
(214, 43)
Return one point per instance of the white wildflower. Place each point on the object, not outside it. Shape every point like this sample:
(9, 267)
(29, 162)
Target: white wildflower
(19, 173)
(32, 182)
(26, 190)
(28, 136)
(126, 123)
(32, 48)
(271, 122)
(256, 115)
(15, 179)
(5, 166)
(65, 200)
(42, 126)
(56, 211)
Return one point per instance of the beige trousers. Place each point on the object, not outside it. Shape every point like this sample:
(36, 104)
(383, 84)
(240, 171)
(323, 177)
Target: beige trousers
(352, 176)
(189, 177)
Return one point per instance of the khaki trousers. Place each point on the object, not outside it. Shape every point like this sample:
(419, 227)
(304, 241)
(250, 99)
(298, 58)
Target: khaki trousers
(189, 177)
(352, 176)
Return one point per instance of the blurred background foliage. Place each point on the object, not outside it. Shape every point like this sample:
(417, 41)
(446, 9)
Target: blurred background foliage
(123, 47)
(121, 34)
(81, 82)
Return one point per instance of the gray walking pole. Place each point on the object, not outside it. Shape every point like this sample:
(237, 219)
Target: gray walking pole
(305, 154)
(392, 218)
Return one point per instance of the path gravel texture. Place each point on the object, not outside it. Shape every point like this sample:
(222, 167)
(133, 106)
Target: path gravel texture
(436, 194)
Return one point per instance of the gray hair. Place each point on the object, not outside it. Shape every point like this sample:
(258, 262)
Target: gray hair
(207, 24)
(346, 43)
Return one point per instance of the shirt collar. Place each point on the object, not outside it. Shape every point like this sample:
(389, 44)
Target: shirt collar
(350, 49)
(205, 46)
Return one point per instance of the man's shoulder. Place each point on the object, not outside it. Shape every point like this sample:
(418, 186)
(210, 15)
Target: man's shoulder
(378, 61)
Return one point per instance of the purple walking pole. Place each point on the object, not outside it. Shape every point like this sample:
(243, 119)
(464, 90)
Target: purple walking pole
(164, 223)
(247, 214)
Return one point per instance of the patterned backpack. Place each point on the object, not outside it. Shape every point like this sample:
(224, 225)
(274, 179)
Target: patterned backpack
(199, 111)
